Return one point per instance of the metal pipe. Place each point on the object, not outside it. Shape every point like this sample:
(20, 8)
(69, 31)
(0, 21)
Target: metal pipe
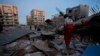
(92, 11)
(95, 9)
(98, 8)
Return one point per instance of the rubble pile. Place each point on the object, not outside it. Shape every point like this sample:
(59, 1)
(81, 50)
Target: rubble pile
(35, 54)
(39, 47)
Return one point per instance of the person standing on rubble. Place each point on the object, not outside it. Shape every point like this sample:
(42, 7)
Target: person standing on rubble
(68, 27)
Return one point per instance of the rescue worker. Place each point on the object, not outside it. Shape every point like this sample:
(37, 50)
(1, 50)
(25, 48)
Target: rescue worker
(68, 26)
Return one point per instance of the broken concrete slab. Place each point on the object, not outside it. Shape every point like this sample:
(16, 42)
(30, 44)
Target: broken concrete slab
(34, 54)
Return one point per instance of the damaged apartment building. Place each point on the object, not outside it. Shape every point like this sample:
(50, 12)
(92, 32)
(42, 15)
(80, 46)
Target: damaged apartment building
(8, 15)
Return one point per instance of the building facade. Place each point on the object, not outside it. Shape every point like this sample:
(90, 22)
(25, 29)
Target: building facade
(38, 17)
(58, 20)
(8, 15)
(78, 12)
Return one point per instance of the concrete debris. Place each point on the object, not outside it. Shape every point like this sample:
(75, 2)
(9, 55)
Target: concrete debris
(28, 49)
(34, 54)
(18, 45)
(12, 46)
(76, 54)
(47, 32)
(59, 44)
(23, 43)
(41, 45)
(44, 46)
(38, 47)
(51, 52)
(1, 51)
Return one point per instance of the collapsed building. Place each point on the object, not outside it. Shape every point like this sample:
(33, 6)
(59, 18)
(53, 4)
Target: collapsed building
(76, 13)
(25, 42)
